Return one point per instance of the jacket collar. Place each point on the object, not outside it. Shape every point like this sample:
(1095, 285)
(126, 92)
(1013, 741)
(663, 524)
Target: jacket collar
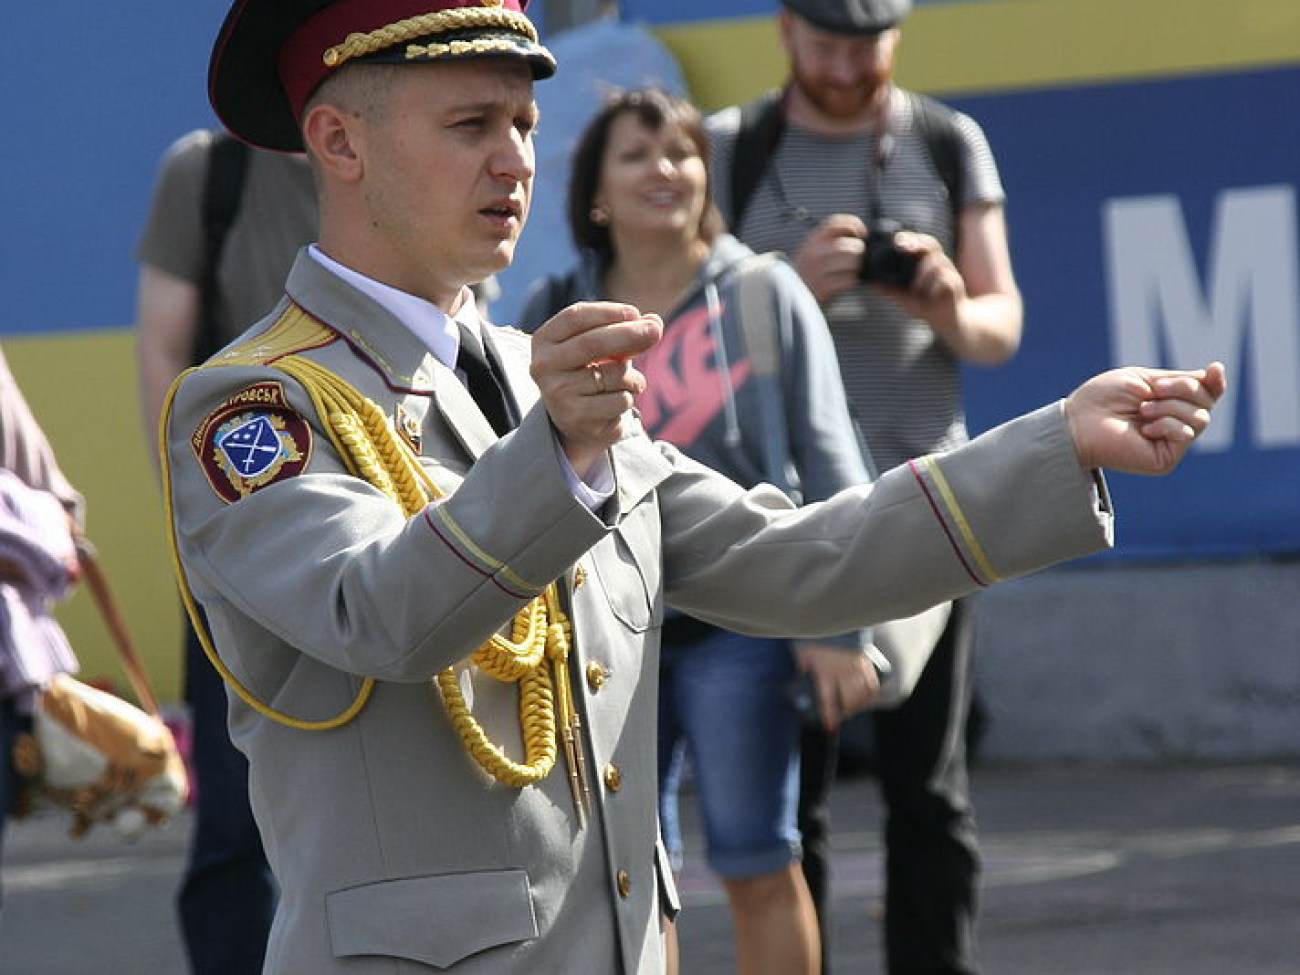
(374, 333)
(403, 361)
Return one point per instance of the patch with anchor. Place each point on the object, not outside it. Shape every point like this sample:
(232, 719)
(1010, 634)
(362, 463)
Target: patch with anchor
(252, 439)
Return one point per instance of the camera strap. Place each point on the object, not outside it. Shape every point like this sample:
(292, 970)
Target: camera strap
(882, 151)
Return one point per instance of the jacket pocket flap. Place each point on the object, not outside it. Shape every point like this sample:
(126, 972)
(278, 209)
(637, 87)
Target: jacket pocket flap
(623, 577)
(436, 920)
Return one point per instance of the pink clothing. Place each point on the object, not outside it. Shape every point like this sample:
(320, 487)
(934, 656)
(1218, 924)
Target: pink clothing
(36, 550)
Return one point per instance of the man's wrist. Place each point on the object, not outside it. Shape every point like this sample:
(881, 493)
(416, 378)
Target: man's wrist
(591, 485)
(1070, 409)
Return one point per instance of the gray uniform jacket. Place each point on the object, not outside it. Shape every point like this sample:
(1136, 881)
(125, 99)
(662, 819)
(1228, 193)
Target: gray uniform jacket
(394, 852)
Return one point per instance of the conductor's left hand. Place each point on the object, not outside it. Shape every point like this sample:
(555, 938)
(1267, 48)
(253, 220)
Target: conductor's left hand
(1141, 421)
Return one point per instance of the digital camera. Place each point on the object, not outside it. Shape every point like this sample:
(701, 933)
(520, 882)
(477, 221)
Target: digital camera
(884, 262)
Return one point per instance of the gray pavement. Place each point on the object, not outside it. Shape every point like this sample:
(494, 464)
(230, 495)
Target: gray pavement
(1096, 870)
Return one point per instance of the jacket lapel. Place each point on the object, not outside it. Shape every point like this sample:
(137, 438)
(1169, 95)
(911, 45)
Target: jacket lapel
(461, 413)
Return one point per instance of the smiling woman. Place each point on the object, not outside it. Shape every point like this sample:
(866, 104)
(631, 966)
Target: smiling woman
(640, 183)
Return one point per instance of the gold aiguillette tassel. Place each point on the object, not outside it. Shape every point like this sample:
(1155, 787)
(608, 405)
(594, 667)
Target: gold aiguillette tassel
(575, 764)
(584, 780)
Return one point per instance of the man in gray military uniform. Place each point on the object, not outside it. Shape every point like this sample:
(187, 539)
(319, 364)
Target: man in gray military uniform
(435, 560)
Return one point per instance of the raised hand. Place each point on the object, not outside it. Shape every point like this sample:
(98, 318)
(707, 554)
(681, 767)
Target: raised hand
(1141, 421)
(582, 363)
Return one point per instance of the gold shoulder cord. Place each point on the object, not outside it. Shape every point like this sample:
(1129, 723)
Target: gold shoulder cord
(536, 653)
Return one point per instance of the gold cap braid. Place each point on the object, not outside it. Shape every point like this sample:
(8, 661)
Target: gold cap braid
(440, 22)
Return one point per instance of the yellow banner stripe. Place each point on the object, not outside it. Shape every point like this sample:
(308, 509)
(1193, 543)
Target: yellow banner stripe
(959, 520)
(1000, 45)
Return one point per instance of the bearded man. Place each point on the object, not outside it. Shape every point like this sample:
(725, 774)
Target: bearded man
(837, 158)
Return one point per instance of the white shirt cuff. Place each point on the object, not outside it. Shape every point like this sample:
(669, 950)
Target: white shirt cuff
(596, 488)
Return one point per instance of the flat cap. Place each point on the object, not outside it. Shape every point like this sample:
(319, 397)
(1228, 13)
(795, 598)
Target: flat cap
(850, 16)
(272, 54)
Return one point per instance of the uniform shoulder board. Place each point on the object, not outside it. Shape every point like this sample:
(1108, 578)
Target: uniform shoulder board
(294, 331)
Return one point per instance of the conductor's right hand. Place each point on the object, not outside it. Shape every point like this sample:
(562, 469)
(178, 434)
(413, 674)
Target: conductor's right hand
(582, 363)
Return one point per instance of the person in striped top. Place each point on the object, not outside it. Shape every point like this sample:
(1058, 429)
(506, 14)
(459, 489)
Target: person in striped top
(842, 151)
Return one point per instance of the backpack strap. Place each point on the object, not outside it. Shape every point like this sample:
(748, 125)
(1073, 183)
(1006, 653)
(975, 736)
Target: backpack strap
(223, 187)
(758, 315)
(935, 124)
(761, 123)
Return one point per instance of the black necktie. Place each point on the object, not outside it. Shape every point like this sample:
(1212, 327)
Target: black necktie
(483, 378)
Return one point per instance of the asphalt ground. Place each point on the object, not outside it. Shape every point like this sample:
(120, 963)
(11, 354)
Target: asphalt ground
(1177, 869)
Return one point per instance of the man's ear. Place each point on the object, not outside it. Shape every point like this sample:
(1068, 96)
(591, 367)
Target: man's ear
(332, 136)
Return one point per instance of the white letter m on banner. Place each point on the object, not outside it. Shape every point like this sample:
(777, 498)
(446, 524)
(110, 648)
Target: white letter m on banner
(1253, 306)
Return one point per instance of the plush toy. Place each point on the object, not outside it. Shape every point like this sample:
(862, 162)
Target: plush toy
(103, 758)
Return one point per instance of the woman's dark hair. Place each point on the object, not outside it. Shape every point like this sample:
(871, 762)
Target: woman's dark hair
(655, 108)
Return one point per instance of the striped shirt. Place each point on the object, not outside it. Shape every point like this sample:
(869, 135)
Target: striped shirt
(903, 384)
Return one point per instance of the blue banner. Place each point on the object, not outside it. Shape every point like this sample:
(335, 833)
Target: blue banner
(1151, 220)
(90, 106)
(1155, 222)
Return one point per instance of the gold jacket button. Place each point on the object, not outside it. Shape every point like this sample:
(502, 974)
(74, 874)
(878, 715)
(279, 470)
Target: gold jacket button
(596, 675)
(624, 880)
(613, 777)
(579, 576)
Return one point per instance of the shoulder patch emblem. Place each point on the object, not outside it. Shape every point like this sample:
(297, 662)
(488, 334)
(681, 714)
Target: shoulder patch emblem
(253, 439)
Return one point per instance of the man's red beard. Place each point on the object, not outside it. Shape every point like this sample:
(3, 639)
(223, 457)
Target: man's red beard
(839, 102)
